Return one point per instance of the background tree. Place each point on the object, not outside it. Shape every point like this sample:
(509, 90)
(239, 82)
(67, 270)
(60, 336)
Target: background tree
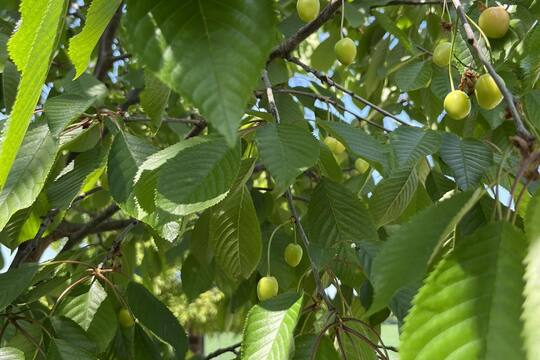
(297, 171)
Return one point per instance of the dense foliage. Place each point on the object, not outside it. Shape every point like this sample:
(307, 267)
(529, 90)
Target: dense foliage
(294, 171)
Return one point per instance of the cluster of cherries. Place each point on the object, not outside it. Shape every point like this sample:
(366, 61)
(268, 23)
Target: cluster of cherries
(494, 23)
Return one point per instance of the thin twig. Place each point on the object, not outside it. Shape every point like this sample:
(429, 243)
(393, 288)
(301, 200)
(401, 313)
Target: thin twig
(224, 350)
(330, 82)
(286, 47)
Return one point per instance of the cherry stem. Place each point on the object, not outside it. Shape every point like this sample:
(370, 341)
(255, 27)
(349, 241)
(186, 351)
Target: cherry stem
(270, 244)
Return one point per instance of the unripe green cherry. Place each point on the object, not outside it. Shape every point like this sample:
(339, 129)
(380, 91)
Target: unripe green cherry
(494, 22)
(293, 254)
(361, 165)
(334, 145)
(487, 92)
(345, 51)
(457, 104)
(267, 288)
(442, 54)
(308, 10)
(125, 319)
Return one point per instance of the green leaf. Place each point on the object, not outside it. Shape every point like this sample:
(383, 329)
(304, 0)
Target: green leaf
(394, 266)
(145, 347)
(154, 98)
(286, 150)
(470, 305)
(412, 144)
(10, 82)
(304, 347)
(532, 107)
(156, 317)
(390, 26)
(268, 333)
(413, 76)
(530, 316)
(9, 353)
(199, 176)
(62, 110)
(393, 194)
(358, 142)
(14, 282)
(127, 153)
(31, 48)
(29, 172)
(235, 235)
(69, 184)
(211, 52)
(196, 277)
(104, 325)
(70, 342)
(81, 45)
(83, 308)
(468, 159)
(337, 217)
(329, 166)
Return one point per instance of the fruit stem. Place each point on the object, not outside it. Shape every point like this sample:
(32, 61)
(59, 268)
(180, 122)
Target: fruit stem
(342, 18)
(454, 33)
(270, 244)
(484, 36)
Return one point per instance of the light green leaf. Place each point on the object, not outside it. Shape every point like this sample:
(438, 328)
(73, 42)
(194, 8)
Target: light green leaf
(329, 166)
(413, 76)
(156, 317)
(287, 150)
(31, 48)
(268, 333)
(198, 177)
(531, 316)
(235, 235)
(9, 353)
(405, 256)
(532, 107)
(29, 172)
(358, 142)
(14, 282)
(412, 144)
(64, 109)
(390, 26)
(81, 45)
(393, 194)
(154, 98)
(336, 217)
(468, 158)
(104, 325)
(82, 308)
(211, 52)
(470, 305)
(69, 184)
(127, 153)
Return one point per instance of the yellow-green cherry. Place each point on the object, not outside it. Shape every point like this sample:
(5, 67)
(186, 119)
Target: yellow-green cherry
(125, 319)
(334, 145)
(494, 22)
(487, 92)
(267, 288)
(293, 254)
(457, 104)
(442, 54)
(361, 165)
(308, 10)
(345, 51)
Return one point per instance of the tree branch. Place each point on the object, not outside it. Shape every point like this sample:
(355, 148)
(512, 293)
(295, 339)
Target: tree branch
(508, 97)
(330, 82)
(286, 47)
(409, 2)
(290, 201)
(227, 349)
